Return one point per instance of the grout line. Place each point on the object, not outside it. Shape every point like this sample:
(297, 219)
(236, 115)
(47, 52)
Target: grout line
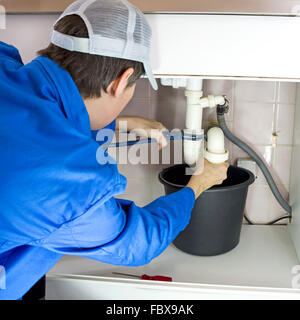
(233, 92)
(294, 144)
(232, 122)
(257, 101)
(270, 145)
(149, 88)
(275, 125)
(266, 102)
(139, 179)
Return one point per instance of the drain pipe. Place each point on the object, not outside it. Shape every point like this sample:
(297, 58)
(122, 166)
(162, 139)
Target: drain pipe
(221, 110)
(194, 149)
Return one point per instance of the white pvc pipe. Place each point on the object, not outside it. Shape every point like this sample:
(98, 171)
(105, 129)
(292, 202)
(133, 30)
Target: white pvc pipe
(215, 140)
(194, 84)
(194, 150)
(215, 149)
(211, 101)
(193, 118)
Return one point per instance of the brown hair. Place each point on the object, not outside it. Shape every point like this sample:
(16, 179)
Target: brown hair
(91, 73)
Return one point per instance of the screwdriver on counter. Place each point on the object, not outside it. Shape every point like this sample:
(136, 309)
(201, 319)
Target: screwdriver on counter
(146, 277)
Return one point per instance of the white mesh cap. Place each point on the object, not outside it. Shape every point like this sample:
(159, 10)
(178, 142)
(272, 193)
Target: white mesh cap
(116, 29)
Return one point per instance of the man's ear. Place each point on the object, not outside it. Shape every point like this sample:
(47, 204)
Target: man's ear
(118, 86)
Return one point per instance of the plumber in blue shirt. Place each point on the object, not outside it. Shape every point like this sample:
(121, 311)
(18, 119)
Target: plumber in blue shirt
(55, 197)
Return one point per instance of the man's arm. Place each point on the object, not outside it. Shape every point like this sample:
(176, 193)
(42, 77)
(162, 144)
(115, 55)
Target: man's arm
(119, 232)
(134, 238)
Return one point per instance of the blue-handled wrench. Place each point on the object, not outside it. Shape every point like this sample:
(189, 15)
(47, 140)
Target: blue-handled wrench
(169, 136)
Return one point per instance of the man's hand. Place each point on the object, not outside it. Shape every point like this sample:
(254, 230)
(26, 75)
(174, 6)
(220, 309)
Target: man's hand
(213, 174)
(143, 127)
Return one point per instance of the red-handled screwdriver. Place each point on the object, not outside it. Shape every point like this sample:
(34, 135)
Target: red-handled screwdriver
(146, 277)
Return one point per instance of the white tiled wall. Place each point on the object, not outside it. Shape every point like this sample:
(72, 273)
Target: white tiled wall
(258, 110)
(262, 111)
(261, 114)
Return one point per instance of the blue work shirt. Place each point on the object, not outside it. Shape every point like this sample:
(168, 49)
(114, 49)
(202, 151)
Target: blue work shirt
(55, 197)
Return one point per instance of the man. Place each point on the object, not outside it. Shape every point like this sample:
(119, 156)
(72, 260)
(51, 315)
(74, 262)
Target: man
(55, 197)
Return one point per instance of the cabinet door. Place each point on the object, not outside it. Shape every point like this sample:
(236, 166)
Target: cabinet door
(231, 46)
(205, 6)
(21, 6)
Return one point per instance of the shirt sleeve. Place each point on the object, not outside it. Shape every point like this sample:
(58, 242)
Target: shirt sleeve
(120, 233)
(9, 52)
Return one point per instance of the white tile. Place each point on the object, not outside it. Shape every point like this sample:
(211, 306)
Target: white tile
(165, 92)
(254, 122)
(218, 87)
(264, 152)
(285, 123)
(138, 171)
(158, 189)
(28, 33)
(282, 164)
(169, 109)
(262, 91)
(276, 210)
(142, 89)
(287, 92)
(258, 203)
(238, 153)
(138, 191)
(138, 107)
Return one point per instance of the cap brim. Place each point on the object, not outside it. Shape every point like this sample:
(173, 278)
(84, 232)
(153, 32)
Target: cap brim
(150, 76)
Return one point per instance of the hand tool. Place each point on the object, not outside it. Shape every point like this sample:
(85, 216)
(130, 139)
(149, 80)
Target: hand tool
(170, 136)
(146, 277)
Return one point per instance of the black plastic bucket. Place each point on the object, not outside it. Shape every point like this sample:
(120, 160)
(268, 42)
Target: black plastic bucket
(217, 217)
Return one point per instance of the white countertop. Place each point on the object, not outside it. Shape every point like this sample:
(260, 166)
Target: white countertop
(263, 258)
